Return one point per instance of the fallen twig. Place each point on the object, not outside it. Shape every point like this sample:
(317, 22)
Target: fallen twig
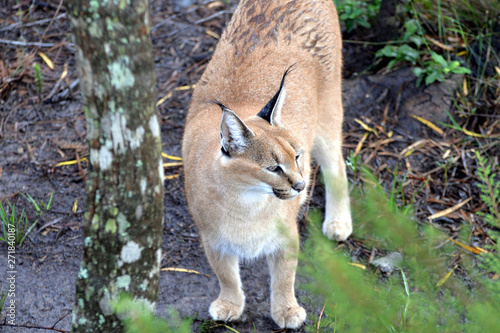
(35, 327)
(59, 219)
(449, 210)
(18, 43)
(65, 93)
(320, 315)
(170, 18)
(52, 21)
(222, 12)
(25, 25)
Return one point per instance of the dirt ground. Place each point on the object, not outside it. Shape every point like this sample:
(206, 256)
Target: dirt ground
(42, 126)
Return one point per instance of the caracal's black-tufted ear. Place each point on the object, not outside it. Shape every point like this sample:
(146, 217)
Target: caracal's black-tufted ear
(272, 111)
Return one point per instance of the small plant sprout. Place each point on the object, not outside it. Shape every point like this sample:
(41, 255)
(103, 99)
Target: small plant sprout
(3, 297)
(12, 220)
(490, 191)
(353, 163)
(446, 165)
(40, 207)
(38, 79)
(437, 69)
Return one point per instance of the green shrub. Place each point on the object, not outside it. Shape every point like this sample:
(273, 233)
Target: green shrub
(356, 13)
(424, 295)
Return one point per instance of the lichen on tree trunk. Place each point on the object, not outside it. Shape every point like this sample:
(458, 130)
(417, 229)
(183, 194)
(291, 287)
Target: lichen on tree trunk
(124, 219)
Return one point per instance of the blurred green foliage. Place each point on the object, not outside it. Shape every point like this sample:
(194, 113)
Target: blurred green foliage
(425, 294)
(139, 319)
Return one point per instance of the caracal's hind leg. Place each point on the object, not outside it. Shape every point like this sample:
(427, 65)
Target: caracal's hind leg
(328, 153)
(231, 301)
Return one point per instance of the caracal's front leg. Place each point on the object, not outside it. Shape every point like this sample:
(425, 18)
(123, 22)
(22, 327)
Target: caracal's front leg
(285, 310)
(337, 224)
(231, 301)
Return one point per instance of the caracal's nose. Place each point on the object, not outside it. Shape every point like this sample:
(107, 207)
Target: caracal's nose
(299, 186)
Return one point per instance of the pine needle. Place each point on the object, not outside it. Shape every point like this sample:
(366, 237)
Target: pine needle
(360, 144)
(474, 134)
(161, 101)
(446, 277)
(411, 148)
(171, 157)
(320, 316)
(468, 248)
(438, 43)
(65, 72)
(449, 210)
(429, 124)
(69, 162)
(366, 127)
(172, 164)
(183, 270)
(46, 59)
(357, 265)
(188, 87)
(212, 34)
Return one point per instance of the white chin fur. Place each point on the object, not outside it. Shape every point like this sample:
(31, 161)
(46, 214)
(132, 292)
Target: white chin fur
(257, 193)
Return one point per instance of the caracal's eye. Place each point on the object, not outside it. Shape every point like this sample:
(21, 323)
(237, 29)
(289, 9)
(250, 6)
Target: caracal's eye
(275, 168)
(297, 157)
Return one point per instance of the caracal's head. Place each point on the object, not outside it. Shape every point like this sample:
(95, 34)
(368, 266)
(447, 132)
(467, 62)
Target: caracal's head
(260, 154)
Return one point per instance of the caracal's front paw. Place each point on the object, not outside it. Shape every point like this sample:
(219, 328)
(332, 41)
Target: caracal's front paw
(337, 230)
(221, 310)
(292, 317)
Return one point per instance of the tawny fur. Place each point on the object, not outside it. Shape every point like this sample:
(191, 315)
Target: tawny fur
(242, 209)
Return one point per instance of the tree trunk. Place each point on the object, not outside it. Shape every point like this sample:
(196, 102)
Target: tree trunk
(124, 219)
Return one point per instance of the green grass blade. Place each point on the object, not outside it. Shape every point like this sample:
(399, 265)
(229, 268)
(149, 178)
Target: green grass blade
(27, 232)
(49, 204)
(5, 221)
(407, 289)
(33, 202)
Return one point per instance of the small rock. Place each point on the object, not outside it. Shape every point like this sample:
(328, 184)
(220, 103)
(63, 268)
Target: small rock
(388, 263)
(183, 4)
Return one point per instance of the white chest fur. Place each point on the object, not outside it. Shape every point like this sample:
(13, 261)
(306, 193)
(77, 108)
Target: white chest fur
(252, 228)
